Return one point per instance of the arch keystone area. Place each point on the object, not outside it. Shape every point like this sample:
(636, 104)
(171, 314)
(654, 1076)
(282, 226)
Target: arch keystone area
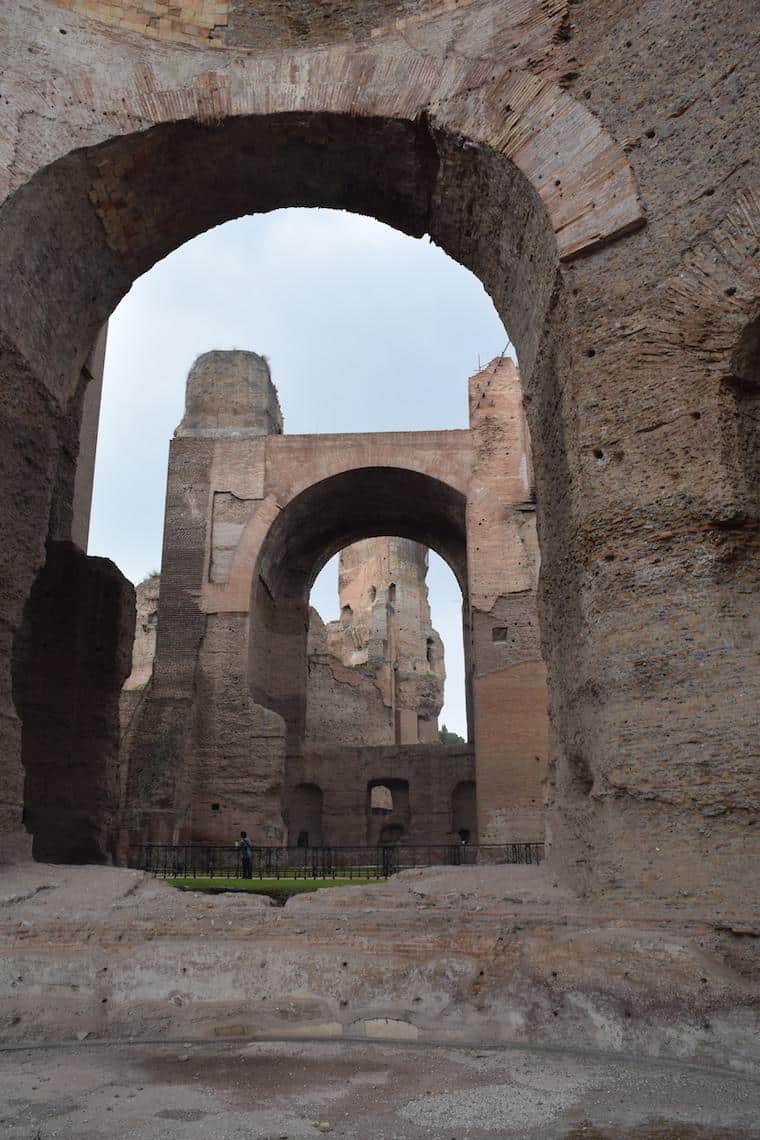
(581, 175)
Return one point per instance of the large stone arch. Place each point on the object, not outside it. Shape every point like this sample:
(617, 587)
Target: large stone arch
(420, 143)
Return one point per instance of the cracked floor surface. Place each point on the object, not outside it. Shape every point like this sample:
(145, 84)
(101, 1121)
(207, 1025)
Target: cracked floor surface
(296, 1090)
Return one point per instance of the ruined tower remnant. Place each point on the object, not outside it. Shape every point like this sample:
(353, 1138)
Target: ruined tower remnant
(230, 394)
(384, 637)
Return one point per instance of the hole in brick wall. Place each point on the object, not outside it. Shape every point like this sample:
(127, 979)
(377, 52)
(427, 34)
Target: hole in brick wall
(499, 634)
(168, 237)
(305, 827)
(215, 807)
(464, 811)
(392, 833)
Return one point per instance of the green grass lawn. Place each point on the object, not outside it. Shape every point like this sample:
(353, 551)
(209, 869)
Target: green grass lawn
(264, 886)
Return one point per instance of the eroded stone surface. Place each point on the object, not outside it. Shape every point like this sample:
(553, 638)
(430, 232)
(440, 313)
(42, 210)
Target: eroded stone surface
(465, 954)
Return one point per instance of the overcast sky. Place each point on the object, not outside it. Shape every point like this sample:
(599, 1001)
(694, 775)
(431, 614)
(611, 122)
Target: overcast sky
(365, 330)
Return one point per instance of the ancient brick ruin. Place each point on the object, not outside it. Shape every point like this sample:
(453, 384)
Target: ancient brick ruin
(595, 166)
(255, 715)
(623, 265)
(376, 675)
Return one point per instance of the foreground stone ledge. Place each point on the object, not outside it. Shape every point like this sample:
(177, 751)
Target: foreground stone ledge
(463, 955)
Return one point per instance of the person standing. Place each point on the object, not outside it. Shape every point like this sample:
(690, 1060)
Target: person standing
(246, 855)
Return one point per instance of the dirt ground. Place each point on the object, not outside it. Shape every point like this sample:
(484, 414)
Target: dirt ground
(299, 1090)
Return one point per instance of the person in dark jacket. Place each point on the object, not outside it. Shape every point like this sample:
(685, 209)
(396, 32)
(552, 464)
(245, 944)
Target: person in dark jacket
(246, 855)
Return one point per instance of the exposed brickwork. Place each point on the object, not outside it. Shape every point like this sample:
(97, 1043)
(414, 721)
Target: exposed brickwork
(511, 726)
(184, 21)
(382, 653)
(423, 781)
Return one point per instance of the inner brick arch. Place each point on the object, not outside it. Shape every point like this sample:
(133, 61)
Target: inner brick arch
(322, 520)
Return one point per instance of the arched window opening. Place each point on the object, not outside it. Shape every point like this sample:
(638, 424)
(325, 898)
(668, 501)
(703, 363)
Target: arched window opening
(391, 835)
(389, 814)
(374, 676)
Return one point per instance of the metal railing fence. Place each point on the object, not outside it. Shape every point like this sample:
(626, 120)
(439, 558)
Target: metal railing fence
(194, 861)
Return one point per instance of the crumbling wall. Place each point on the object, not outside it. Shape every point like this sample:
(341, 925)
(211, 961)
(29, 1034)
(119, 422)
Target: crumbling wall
(71, 656)
(238, 746)
(204, 759)
(237, 692)
(343, 702)
(594, 165)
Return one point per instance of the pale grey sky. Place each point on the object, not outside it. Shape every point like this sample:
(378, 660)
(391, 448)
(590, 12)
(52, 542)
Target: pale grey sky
(365, 330)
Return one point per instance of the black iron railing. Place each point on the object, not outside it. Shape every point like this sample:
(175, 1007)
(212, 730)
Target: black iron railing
(199, 861)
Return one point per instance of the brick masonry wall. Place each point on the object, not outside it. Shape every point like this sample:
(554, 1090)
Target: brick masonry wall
(376, 675)
(510, 695)
(344, 775)
(212, 732)
(183, 21)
